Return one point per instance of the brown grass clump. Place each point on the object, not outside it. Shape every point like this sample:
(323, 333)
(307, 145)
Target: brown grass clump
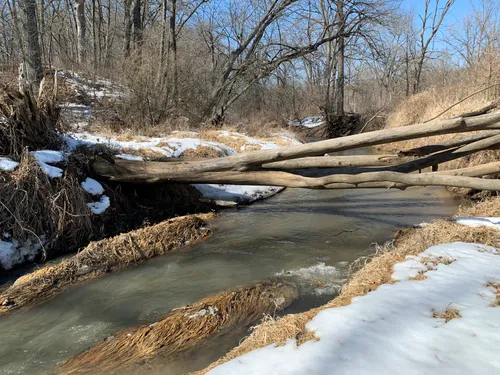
(104, 256)
(184, 328)
(201, 152)
(426, 105)
(29, 122)
(373, 274)
(495, 286)
(447, 315)
(489, 207)
(34, 208)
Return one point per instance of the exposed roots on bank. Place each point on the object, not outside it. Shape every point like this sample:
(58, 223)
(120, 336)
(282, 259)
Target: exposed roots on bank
(184, 328)
(105, 256)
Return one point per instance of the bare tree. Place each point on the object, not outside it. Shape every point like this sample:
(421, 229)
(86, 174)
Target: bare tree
(431, 22)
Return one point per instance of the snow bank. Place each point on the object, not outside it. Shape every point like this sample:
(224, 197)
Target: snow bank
(8, 165)
(175, 146)
(479, 221)
(392, 329)
(13, 252)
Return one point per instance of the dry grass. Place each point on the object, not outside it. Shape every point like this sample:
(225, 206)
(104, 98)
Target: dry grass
(495, 286)
(29, 122)
(426, 105)
(184, 328)
(447, 315)
(201, 152)
(32, 206)
(104, 256)
(374, 273)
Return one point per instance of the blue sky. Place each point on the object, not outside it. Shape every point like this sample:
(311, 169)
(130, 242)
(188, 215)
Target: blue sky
(458, 10)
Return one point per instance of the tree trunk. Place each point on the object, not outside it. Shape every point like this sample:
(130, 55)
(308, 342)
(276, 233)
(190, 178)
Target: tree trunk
(137, 22)
(81, 29)
(32, 57)
(173, 45)
(339, 86)
(128, 27)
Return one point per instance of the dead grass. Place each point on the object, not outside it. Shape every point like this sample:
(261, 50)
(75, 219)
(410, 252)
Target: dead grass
(375, 272)
(34, 208)
(104, 256)
(447, 315)
(495, 286)
(426, 105)
(184, 328)
(201, 152)
(29, 122)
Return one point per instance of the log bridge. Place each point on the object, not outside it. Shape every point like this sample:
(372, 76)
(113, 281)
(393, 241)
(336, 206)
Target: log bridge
(288, 166)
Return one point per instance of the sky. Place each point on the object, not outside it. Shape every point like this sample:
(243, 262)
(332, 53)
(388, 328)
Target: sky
(458, 10)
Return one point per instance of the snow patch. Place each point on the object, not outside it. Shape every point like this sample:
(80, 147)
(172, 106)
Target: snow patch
(101, 206)
(13, 252)
(46, 157)
(479, 221)
(392, 330)
(92, 187)
(8, 165)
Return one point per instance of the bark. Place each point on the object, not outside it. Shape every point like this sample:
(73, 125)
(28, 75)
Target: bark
(137, 22)
(32, 57)
(339, 86)
(81, 27)
(128, 27)
(338, 162)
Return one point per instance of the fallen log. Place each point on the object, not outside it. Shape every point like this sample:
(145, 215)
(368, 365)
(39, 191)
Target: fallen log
(154, 172)
(338, 162)
(449, 155)
(253, 160)
(426, 150)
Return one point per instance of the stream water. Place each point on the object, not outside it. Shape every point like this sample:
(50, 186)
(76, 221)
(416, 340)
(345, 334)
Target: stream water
(304, 235)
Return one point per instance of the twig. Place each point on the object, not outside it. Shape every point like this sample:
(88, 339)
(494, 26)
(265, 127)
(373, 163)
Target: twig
(345, 231)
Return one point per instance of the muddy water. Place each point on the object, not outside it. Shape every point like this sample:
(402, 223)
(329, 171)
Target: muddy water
(305, 235)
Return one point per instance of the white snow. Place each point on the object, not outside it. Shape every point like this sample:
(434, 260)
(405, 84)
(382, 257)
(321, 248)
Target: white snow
(13, 252)
(236, 194)
(392, 329)
(164, 146)
(46, 157)
(7, 165)
(479, 221)
(93, 187)
(99, 207)
(308, 122)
